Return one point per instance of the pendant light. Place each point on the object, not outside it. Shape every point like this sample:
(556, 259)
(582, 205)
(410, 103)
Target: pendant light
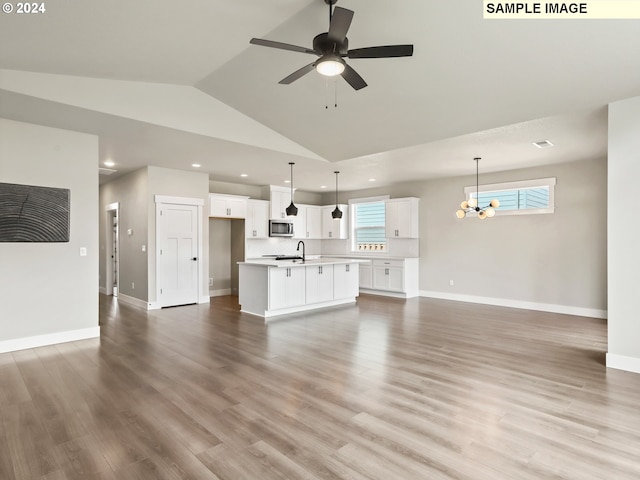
(471, 205)
(292, 210)
(337, 213)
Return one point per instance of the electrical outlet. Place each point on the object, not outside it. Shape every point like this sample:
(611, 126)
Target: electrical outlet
(211, 282)
(133, 286)
(451, 283)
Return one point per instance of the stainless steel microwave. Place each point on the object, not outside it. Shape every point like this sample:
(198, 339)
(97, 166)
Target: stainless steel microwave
(280, 228)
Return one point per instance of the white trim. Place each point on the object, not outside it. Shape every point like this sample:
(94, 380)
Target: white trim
(136, 302)
(622, 362)
(505, 302)
(379, 198)
(384, 293)
(204, 299)
(268, 314)
(102, 290)
(48, 339)
(178, 200)
(220, 293)
(109, 281)
(199, 204)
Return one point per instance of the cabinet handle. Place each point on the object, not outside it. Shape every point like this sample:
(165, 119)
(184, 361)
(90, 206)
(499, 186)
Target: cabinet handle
(347, 268)
(330, 234)
(386, 271)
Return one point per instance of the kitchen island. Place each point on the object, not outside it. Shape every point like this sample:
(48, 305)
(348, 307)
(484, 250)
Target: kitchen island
(269, 287)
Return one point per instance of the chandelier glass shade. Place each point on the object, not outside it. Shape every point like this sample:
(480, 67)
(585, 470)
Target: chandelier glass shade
(471, 205)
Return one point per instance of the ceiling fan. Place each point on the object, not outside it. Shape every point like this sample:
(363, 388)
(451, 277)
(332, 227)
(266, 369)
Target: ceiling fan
(332, 47)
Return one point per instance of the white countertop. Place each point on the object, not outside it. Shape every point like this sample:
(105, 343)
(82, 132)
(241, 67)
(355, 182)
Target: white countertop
(271, 262)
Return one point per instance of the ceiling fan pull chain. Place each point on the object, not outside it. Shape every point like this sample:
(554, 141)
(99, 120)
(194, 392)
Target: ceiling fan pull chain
(335, 86)
(326, 94)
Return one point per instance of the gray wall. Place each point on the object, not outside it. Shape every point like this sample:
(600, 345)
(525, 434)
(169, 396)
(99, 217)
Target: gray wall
(130, 192)
(48, 288)
(624, 261)
(556, 259)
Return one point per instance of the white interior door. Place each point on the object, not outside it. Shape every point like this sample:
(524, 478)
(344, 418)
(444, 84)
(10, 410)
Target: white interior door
(178, 255)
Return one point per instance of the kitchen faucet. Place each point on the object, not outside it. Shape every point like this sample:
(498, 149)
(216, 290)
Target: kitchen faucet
(298, 249)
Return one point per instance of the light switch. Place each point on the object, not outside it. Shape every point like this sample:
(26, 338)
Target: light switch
(144, 248)
(83, 251)
(129, 231)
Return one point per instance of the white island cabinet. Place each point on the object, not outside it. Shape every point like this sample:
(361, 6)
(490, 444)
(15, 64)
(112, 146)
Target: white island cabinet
(269, 288)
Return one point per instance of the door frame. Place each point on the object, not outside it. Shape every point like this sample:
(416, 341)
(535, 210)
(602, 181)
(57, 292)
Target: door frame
(160, 201)
(109, 241)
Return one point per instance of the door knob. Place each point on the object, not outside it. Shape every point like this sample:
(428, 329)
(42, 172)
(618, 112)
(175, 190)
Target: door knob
(194, 259)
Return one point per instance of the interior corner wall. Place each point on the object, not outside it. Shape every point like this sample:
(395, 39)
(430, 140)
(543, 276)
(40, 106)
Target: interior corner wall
(48, 292)
(623, 259)
(176, 183)
(130, 192)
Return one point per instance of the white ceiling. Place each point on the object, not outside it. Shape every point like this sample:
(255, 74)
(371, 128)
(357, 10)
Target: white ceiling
(171, 84)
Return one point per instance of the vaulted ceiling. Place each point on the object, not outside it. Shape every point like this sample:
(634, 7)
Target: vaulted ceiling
(172, 84)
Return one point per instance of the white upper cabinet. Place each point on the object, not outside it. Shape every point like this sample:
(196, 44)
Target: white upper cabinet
(332, 228)
(308, 223)
(227, 206)
(280, 200)
(256, 224)
(401, 218)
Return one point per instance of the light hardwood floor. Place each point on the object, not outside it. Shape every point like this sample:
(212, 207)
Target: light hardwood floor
(388, 389)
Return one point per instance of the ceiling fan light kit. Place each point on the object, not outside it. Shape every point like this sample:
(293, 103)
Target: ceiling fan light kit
(471, 205)
(332, 47)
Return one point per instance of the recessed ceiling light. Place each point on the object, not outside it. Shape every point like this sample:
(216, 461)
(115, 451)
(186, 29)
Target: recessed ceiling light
(196, 165)
(244, 175)
(109, 163)
(543, 144)
(372, 179)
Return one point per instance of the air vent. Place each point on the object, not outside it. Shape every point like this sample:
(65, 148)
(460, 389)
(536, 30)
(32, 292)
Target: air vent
(106, 171)
(543, 144)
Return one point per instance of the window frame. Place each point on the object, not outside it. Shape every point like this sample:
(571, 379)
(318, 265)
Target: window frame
(549, 182)
(352, 224)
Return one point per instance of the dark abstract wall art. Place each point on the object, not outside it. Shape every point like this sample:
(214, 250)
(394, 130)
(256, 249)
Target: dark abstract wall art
(34, 214)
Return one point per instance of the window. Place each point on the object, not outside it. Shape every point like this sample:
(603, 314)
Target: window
(369, 227)
(517, 198)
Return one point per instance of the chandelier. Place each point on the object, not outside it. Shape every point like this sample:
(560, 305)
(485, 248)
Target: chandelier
(471, 205)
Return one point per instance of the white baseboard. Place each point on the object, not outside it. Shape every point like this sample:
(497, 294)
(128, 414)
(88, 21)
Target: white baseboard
(102, 290)
(504, 302)
(136, 302)
(204, 299)
(622, 362)
(220, 293)
(384, 293)
(48, 339)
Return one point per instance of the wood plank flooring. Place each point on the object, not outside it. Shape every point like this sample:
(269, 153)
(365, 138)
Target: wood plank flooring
(387, 389)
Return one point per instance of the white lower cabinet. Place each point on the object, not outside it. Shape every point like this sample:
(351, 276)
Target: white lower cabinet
(392, 277)
(345, 281)
(286, 287)
(319, 283)
(388, 278)
(366, 276)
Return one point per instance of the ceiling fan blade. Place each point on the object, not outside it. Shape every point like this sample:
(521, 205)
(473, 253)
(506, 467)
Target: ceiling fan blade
(280, 45)
(297, 74)
(386, 51)
(340, 23)
(352, 78)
